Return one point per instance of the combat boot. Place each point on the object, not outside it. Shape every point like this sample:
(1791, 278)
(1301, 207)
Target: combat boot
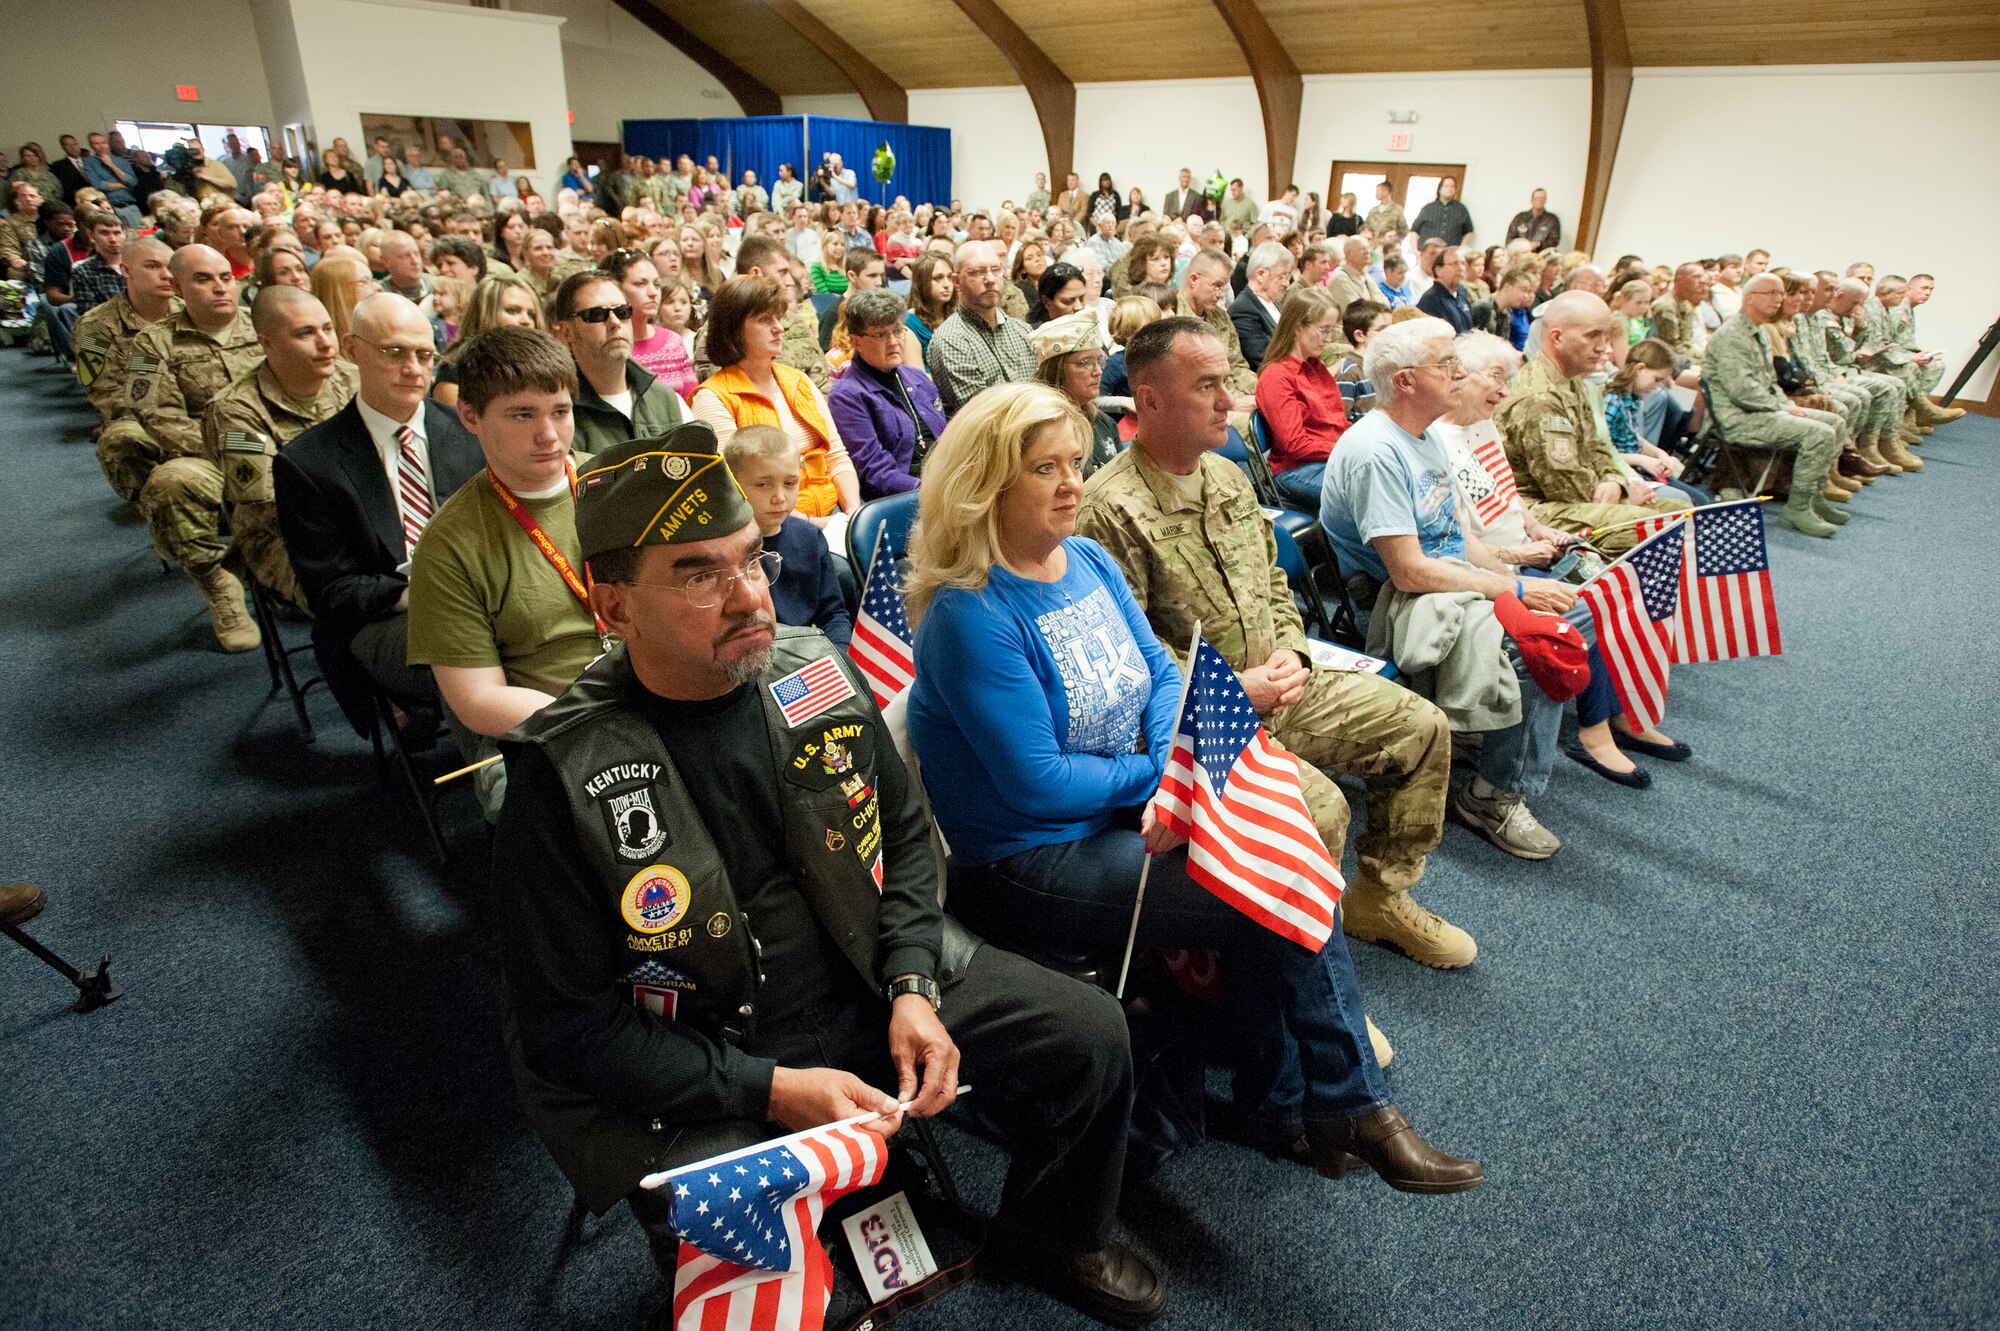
(234, 628)
(1897, 452)
(1835, 491)
(1799, 516)
(1930, 413)
(1828, 513)
(1872, 453)
(1376, 915)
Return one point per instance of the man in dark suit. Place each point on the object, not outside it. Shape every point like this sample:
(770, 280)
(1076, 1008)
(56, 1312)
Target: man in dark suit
(355, 491)
(1267, 272)
(1187, 201)
(68, 168)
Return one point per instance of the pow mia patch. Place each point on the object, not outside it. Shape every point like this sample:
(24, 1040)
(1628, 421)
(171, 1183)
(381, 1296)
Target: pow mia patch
(835, 755)
(625, 793)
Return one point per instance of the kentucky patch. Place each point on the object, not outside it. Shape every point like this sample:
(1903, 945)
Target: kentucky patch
(655, 899)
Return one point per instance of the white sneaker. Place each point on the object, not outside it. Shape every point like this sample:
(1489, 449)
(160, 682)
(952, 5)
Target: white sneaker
(1504, 819)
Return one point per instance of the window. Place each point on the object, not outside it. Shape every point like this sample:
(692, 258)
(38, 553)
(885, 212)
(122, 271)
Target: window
(156, 136)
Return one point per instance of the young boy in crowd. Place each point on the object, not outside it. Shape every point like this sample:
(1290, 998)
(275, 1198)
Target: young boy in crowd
(806, 593)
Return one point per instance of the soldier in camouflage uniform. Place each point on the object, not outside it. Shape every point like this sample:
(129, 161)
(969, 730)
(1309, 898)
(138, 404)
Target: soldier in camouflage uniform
(1563, 464)
(1885, 345)
(1675, 318)
(1930, 365)
(1751, 408)
(103, 338)
(1386, 215)
(1877, 413)
(1843, 332)
(1185, 527)
(178, 366)
(1204, 284)
(300, 382)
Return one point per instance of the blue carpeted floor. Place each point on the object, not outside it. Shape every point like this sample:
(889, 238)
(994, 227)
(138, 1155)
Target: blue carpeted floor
(1730, 1059)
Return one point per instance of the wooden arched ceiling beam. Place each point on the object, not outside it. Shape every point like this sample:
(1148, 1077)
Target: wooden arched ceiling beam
(886, 98)
(750, 94)
(1610, 93)
(1280, 90)
(1048, 87)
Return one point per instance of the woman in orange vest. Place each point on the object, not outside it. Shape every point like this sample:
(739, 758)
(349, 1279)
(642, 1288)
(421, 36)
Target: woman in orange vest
(746, 332)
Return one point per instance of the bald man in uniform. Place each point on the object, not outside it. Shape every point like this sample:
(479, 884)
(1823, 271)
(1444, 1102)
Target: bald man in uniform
(300, 382)
(178, 366)
(103, 338)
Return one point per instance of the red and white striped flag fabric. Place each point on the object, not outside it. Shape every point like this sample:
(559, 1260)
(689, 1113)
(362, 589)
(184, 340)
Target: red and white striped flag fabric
(1235, 796)
(1488, 453)
(1647, 528)
(1633, 602)
(880, 647)
(1727, 609)
(750, 1257)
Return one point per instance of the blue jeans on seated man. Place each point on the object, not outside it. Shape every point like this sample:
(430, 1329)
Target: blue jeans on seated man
(1300, 486)
(1307, 1058)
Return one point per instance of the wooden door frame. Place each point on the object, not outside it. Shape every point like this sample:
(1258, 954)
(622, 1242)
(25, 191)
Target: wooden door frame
(1399, 174)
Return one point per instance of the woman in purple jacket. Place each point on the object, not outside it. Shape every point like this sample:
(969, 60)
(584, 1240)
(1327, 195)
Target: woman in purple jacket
(888, 413)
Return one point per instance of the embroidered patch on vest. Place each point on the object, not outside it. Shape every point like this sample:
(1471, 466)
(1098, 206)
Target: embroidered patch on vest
(655, 899)
(835, 756)
(811, 690)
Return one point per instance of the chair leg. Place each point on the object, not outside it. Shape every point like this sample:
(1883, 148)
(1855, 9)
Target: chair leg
(399, 758)
(940, 1167)
(279, 658)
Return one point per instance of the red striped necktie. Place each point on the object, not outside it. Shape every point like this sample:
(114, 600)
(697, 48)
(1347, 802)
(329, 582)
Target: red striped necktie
(413, 495)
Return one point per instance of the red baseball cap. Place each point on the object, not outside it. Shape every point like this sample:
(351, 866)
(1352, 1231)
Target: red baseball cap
(1557, 659)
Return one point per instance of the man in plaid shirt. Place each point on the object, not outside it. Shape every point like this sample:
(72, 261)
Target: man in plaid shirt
(102, 275)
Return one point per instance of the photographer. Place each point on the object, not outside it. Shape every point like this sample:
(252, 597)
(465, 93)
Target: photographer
(834, 183)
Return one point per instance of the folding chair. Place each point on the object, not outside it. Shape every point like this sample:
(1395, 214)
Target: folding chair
(392, 759)
(278, 657)
(1262, 479)
(1247, 460)
(1717, 459)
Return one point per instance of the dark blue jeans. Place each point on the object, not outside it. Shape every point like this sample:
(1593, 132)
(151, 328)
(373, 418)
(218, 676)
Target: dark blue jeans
(1308, 1058)
(1300, 485)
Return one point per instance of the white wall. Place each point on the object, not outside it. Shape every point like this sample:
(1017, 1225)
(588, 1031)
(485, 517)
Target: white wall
(1898, 168)
(844, 105)
(619, 69)
(80, 65)
(1144, 133)
(996, 140)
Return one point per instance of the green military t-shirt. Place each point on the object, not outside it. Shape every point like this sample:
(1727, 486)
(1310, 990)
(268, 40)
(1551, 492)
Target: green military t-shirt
(482, 594)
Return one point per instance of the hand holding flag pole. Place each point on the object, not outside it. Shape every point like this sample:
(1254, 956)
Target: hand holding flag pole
(1132, 933)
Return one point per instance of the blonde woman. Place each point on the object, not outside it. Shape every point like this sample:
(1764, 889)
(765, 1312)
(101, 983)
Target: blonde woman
(1039, 775)
(506, 300)
(340, 279)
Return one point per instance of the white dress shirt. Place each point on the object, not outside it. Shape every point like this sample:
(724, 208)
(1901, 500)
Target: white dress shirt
(383, 431)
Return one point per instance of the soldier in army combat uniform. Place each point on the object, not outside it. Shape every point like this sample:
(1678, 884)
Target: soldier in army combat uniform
(103, 339)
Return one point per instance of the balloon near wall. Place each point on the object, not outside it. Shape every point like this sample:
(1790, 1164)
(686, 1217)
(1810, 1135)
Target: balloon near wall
(884, 163)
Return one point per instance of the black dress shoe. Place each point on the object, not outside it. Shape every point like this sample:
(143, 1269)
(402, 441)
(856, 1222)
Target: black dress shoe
(1387, 1143)
(1638, 778)
(1677, 752)
(1113, 1284)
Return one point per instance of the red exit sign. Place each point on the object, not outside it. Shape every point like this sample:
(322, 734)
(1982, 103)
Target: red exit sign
(187, 92)
(1399, 141)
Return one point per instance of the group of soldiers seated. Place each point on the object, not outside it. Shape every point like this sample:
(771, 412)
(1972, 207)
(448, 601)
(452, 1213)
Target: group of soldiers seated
(718, 889)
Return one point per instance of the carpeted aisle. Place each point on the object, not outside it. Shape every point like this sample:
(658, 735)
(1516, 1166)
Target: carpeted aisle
(1729, 1059)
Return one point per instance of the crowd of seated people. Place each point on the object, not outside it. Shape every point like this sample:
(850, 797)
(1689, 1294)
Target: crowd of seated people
(564, 477)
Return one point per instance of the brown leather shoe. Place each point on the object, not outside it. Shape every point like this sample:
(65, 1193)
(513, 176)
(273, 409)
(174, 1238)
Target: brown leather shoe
(1853, 464)
(1113, 1284)
(1387, 1144)
(21, 902)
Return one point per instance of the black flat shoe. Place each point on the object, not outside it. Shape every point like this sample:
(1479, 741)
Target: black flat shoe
(1677, 752)
(1638, 778)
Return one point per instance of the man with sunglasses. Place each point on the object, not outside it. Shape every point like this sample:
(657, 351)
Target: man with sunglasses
(718, 906)
(617, 398)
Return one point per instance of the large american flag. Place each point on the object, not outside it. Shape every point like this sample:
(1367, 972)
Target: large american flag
(1727, 609)
(1633, 603)
(1489, 454)
(880, 648)
(1235, 796)
(750, 1259)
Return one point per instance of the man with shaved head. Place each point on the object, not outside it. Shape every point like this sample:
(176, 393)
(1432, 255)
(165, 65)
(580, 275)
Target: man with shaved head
(178, 367)
(353, 494)
(1350, 281)
(1751, 407)
(1562, 460)
(301, 381)
(103, 340)
(1676, 315)
(979, 346)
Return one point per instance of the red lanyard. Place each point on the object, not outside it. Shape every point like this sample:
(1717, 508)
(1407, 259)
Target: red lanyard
(579, 586)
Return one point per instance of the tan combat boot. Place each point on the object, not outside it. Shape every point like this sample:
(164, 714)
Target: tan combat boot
(1834, 492)
(1384, 1051)
(1374, 915)
(1930, 413)
(234, 628)
(1872, 452)
(1896, 451)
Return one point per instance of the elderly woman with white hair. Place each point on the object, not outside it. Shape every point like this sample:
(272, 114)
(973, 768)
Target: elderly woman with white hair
(1070, 353)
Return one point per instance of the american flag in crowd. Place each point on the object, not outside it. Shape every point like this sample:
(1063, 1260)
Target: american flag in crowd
(1633, 603)
(811, 689)
(1489, 454)
(880, 648)
(750, 1259)
(1236, 798)
(1727, 609)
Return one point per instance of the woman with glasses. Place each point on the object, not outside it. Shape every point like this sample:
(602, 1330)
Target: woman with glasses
(1298, 397)
(888, 411)
(1070, 354)
(746, 335)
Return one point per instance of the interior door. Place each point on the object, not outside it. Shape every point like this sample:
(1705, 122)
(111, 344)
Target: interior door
(1411, 184)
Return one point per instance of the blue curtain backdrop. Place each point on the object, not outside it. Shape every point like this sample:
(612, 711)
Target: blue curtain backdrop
(759, 143)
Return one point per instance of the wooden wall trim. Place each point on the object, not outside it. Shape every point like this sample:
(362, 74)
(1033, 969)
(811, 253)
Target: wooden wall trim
(1048, 87)
(1610, 93)
(1280, 89)
(886, 98)
(750, 94)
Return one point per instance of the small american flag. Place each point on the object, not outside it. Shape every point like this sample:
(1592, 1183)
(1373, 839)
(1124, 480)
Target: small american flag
(880, 648)
(1235, 796)
(1633, 603)
(750, 1259)
(1489, 454)
(808, 691)
(1727, 609)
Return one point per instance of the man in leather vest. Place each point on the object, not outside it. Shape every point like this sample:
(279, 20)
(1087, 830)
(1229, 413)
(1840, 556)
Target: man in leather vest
(719, 905)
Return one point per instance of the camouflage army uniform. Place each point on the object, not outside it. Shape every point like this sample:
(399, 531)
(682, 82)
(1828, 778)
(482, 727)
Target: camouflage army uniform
(1198, 548)
(103, 340)
(1242, 379)
(1892, 394)
(176, 371)
(1676, 324)
(1883, 343)
(1865, 409)
(1751, 408)
(1904, 320)
(1384, 216)
(1560, 455)
(242, 430)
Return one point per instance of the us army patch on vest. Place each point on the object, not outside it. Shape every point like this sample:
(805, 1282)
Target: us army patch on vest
(835, 755)
(625, 795)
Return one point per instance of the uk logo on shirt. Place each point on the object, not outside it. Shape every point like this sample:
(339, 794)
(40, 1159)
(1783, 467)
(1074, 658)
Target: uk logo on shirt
(1103, 674)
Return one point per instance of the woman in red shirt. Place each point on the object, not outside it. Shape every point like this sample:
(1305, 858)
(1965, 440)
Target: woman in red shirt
(1298, 397)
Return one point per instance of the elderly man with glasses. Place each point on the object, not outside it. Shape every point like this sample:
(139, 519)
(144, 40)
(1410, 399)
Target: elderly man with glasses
(617, 398)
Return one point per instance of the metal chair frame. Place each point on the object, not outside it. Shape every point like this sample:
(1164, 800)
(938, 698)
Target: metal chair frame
(278, 658)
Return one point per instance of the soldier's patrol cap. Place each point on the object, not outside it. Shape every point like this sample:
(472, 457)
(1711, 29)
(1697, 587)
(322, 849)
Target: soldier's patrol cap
(670, 490)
